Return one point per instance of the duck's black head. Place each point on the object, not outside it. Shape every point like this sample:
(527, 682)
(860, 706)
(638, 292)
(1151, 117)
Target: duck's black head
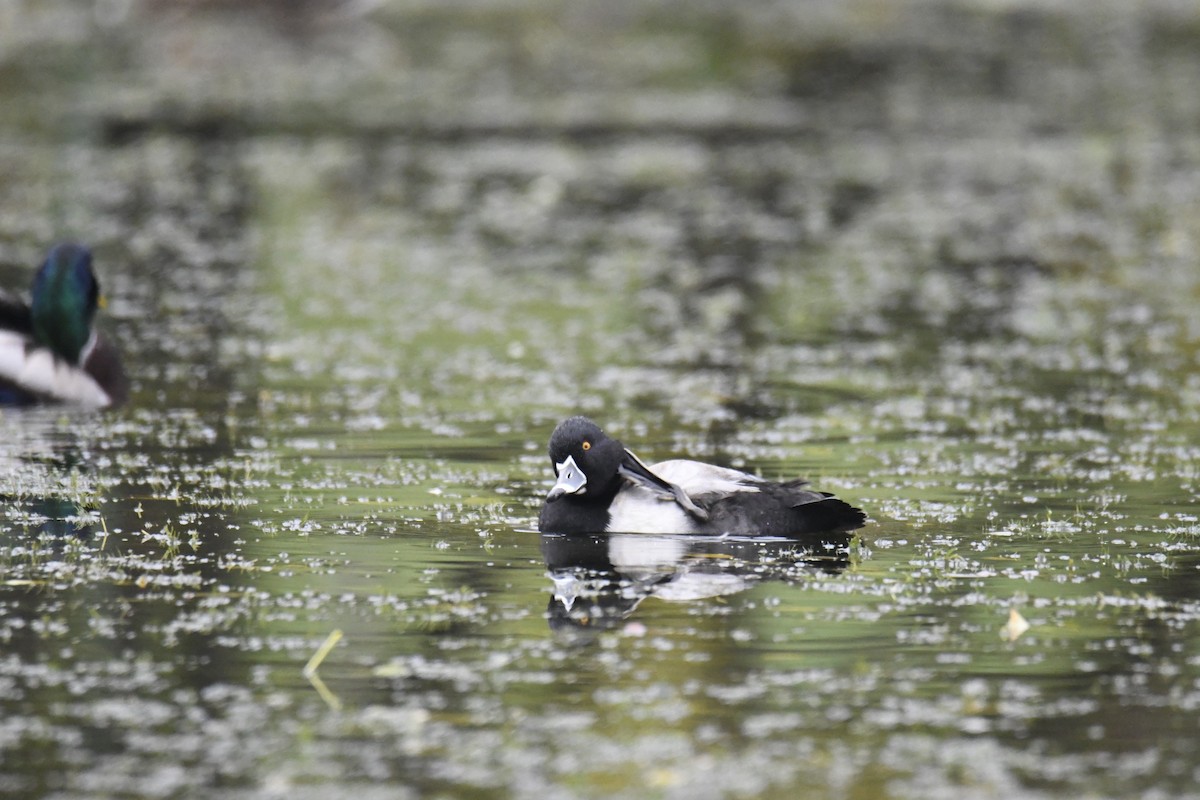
(65, 297)
(585, 461)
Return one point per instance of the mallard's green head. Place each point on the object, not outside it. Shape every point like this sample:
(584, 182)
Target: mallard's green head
(65, 297)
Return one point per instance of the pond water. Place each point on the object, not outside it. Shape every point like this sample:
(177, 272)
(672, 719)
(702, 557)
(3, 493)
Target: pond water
(354, 306)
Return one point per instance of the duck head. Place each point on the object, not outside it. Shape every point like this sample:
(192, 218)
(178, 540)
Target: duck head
(585, 460)
(589, 465)
(65, 297)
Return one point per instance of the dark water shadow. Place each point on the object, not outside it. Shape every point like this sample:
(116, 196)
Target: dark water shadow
(53, 521)
(46, 513)
(600, 580)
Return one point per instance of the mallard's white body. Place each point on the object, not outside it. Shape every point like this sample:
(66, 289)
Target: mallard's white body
(38, 371)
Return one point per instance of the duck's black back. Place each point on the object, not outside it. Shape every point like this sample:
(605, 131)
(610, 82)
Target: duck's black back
(14, 315)
(780, 509)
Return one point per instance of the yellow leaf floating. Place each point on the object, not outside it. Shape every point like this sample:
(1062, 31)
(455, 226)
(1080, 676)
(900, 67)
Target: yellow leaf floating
(1015, 626)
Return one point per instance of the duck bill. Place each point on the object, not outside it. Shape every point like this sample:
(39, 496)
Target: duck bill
(571, 480)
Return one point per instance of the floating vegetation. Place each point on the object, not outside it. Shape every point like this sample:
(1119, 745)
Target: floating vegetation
(356, 294)
(314, 663)
(1015, 626)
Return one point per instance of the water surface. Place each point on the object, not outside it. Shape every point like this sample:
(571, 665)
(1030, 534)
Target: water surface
(356, 295)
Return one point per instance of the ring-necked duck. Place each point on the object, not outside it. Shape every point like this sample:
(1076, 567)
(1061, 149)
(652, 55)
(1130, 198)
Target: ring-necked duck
(49, 351)
(603, 487)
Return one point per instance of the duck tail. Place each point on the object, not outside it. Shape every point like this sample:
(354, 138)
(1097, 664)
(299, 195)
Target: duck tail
(832, 515)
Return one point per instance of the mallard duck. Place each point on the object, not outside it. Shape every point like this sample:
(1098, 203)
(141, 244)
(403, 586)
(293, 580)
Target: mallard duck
(600, 487)
(49, 350)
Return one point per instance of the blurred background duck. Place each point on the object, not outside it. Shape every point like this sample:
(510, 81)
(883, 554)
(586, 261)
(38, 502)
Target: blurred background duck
(50, 352)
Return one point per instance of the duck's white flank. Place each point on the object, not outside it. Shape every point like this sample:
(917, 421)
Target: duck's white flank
(39, 371)
(639, 509)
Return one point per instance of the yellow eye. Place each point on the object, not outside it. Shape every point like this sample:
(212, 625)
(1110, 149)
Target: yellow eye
(587, 445)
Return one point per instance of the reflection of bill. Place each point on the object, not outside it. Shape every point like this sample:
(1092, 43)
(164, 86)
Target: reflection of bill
(600, 579)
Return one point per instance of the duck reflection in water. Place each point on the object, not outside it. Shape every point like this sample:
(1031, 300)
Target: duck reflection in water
(49, 516)
(599, 580)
